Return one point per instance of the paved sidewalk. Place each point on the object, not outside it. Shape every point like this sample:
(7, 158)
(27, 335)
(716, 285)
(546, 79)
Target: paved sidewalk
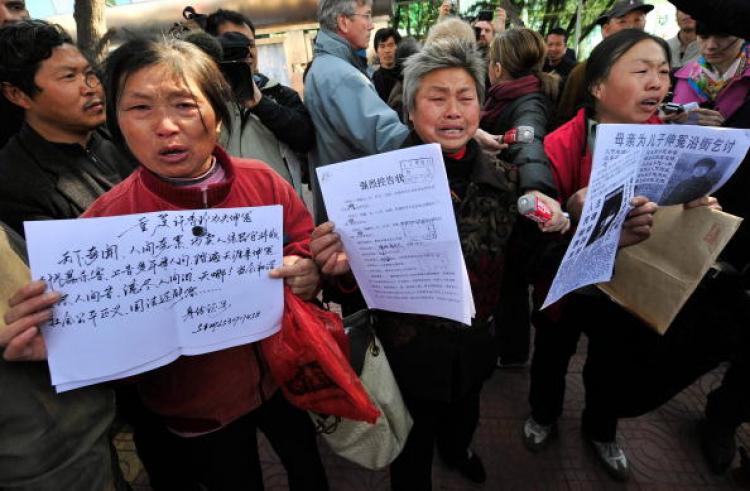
(662, 446)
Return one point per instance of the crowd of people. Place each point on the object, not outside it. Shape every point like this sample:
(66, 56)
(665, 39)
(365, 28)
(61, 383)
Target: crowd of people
(189, 122)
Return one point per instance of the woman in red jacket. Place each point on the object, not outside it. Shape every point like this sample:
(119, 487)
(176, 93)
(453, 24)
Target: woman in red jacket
(165, 105)
(627, 77)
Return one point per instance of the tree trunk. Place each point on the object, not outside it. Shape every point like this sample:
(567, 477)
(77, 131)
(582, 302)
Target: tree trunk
(90, 27)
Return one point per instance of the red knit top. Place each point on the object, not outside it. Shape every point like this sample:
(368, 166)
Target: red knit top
(205, 392)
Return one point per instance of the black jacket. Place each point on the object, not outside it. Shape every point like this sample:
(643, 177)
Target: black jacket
(41, 180)
(281, 110)
(533, 166)
(438, 359)
(384, 79)
(733, 197)
(563, 68)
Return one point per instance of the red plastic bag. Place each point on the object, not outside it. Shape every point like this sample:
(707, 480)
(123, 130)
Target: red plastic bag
(307, 360)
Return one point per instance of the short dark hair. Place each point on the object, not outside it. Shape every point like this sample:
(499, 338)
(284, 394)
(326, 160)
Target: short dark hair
(183, 58)
(382, 35)
(23, 47)
(558, 31)
(611, 49)
(222, 16)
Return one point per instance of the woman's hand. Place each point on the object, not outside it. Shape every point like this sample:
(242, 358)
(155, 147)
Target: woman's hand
(637, 226)
(489, 143)
(559, 221)
(30, 307)
(300, 274)
(700, 116)
(328, 250)
(709, 201)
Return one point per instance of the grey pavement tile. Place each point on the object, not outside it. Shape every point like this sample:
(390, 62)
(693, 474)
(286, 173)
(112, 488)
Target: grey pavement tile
(662, 447)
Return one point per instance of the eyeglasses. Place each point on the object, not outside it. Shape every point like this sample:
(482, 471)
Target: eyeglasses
(91, 79)
(366, 16)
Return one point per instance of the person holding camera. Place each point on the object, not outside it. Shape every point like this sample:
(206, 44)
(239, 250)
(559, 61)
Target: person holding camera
(269, 120)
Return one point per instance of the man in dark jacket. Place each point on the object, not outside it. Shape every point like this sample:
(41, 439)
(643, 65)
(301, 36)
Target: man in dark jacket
(55, 166)
(385, 43)
(59, 162)
(557, 59)
(273, 125)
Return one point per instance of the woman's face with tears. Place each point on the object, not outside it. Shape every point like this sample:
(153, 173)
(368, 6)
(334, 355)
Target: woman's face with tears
(167, 122)
(446, 108)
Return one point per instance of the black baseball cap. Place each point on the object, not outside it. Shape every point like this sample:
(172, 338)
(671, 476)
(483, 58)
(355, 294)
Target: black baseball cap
(622, 8)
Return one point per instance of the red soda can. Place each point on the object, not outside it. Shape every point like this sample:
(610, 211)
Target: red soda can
(533, 208)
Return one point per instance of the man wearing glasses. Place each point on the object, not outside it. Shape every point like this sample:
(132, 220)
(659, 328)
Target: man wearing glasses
(351, 120)
(271, 124)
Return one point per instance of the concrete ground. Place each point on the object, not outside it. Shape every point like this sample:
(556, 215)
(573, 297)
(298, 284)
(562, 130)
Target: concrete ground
(662, 447)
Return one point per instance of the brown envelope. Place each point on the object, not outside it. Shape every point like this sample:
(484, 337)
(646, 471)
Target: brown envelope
(654, 279)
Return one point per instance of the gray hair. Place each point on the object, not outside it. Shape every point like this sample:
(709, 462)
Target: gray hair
(330, 10)
(449, 52)
(450, 27)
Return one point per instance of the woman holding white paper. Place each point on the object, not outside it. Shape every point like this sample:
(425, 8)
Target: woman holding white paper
(627, 76)
(440, 365)
(165, 105)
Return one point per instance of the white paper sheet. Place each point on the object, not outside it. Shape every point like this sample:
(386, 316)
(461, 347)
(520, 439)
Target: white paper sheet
(141, 290)
(394, 214)
(670, 164)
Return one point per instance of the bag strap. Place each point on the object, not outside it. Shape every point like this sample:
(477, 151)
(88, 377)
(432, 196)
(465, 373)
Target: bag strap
(358, 327)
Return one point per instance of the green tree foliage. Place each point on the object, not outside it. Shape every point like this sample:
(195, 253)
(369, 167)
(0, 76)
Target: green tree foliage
(415, 18)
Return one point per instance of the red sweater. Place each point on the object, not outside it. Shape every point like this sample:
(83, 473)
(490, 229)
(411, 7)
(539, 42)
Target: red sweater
(204, 392)
(570, 156)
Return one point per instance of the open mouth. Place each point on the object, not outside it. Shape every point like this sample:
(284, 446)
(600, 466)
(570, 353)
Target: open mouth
(451, 130)
(650, 104)
(173, 153)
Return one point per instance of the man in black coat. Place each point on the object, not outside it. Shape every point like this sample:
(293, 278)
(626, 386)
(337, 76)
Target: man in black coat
(385, 78)
(273, 125)
(53, 167)
(557, 60)
(59, 162)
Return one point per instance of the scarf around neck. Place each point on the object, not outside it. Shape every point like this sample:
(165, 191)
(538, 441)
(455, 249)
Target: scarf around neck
(707, 82)
(502, 94)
